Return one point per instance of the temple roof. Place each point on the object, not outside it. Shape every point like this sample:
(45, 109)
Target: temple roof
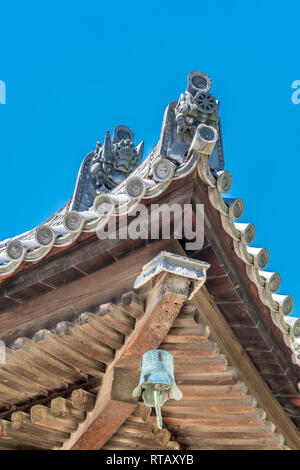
(168, 162)
(187, 162)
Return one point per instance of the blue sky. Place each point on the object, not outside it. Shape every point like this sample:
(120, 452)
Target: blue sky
(76, 68)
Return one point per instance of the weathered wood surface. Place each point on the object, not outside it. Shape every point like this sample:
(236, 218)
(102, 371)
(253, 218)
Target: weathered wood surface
(30, 376)
(55, 361)
(43, 416)
(63, 408)
(83, 400)
(79, 296)
(44, 427)
(21, 421)
(114, 403)
(22, 438)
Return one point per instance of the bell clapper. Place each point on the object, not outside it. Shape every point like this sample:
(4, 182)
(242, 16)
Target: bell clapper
(157, 408)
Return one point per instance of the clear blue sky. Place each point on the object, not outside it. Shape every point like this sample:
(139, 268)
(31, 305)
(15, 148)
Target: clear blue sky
(76, 68)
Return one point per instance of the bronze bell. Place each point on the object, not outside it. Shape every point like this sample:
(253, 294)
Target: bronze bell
(157, 380)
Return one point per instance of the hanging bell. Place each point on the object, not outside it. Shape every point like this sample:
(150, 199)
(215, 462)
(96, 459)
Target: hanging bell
(157, 380)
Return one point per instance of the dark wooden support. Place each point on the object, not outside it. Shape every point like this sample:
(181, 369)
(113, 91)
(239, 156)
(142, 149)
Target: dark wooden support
(17, 362)
(76, 339)
(55, 345)
(113, 405)
(21, 421)
(96, 328)
(42, 416)
(63, 408)
(162, 307)
(83, 400)
(11, 435)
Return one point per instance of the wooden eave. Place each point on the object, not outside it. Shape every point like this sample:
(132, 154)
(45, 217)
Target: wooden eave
(216, 411)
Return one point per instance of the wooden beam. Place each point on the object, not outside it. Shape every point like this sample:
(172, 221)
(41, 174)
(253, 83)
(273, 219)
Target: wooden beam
(42, 416)
(63, 408)
(21, 421)
(83, 400)
(163, 306)
(11, 435)
(113, 405)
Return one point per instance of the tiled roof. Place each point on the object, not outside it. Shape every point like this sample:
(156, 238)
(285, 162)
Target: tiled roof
(66, 226)
(146, 184)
